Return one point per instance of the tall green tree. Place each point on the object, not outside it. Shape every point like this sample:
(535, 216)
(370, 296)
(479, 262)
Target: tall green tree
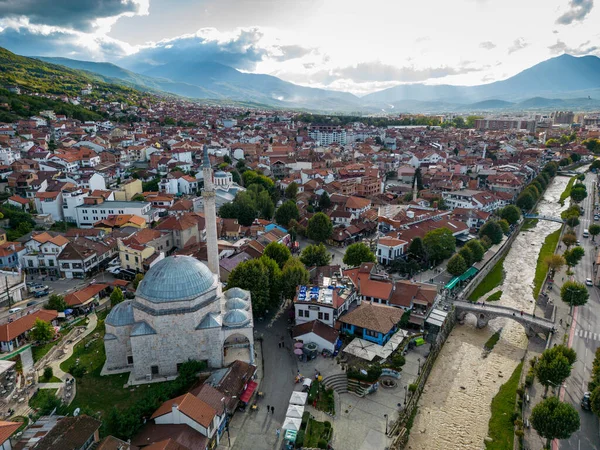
(573, 256)
(137, 280)
(467, 255)
(252, 276)
(569, 239)
(291, 191)
(277, 252)
(315, 255)
(358, 253)
(324, 201)
(525, 201)
(476, 248)
(416, 249)
(116, 296)
(274, 280)
(42, 331)
(419, 177)
(439, 244)
(56, 302)
(594, 230)
(554, 365)
(553, 419)
(504, 225)
(456, 265)
(286, 212)
(574, 293)
(319, 227)
(492, 230)
(578, 193)
(511, 214)
(293, 275)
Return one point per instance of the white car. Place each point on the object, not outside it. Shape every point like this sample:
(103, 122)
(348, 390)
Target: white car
(114, 270)
(115, 262)
(589, 282)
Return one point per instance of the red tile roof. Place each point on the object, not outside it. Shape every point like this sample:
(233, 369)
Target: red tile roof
(11, 330)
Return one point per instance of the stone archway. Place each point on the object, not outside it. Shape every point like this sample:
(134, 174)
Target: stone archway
(237, 346)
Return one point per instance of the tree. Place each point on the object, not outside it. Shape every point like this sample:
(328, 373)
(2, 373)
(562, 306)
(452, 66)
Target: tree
(319, 227)
(554, 262)
(504, 225)
(358, 253)
(419, 177)
(573, 256)
(476, 248)
(439, 244)
(56, 302)
(574, 293)
(291, 191)
(525, 201)
(42, 331)
(492, 230)
(277, 252)
(287, 212)
(569, 239)
(596, 163)
(274, 279)
(553, 367)
(253, 276)
(116, 296)
(594, 230)
(456, 265)
(324, 201)
(227, 159)
(138, 198)
(511, 214)
(578, 194)
(572, 222)
(48, 373)
(315, 255)
(416, 248)
(467, 255)
(293, 275)
(553, 419)
(137, 280)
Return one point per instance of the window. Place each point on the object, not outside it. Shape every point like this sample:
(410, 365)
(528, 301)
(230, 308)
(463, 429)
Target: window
(372, 333)
(29, 263)
(320, 316)
(126, 257)
(51, 263)
(154, 370)
(326, 316)
(130, 360)
(301, 313)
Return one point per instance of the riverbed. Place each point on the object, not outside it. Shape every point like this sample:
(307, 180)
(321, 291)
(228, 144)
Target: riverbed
(454, 409)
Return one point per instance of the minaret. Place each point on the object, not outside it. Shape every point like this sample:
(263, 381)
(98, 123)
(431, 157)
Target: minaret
(415, 190)
(210, 215)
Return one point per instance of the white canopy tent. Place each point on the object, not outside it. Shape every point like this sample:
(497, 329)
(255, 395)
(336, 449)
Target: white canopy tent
(292, 423)
(295, 412)
(298, 398)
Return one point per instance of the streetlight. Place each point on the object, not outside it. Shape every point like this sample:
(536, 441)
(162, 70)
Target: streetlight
(405, 394)
(386, 423)
(227, 420)
(419, 360)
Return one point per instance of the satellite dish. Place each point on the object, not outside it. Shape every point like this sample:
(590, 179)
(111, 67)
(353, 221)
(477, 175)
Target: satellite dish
(76, 412)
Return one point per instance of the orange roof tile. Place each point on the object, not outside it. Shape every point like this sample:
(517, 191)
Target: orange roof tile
(11, 330)
(191, 406)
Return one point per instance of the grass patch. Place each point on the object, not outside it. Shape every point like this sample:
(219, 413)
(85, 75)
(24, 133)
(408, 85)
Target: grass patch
(541, 269)
(494, 297)
(567, 192)
(41, 350)
(40, 398)
(501, 426)
(21, 419)
(492, 341)
(317, 433)
(321, 397)
(52, 379)
(529, 224)
(491, 281)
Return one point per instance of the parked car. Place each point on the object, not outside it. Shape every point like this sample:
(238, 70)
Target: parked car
(41, 293)
(115, 262)
(114, 270)
(32, 303)
(14, 310)
(589, 282)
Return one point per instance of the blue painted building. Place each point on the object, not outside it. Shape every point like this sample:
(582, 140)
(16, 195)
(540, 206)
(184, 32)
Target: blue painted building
(372, 322)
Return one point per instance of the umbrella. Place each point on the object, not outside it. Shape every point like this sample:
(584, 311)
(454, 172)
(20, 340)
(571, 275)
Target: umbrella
(298, 345)
(298, 351)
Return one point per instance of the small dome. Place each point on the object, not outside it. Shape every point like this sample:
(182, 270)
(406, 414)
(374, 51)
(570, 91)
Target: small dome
(121, 315)
(236, 318)
(236, 303)
(236, 292)
(175, 278)
(220, 174)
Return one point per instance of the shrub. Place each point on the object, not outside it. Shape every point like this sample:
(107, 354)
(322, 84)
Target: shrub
(322, 443)
(300, 439)
(48, 373)
(327, 424)
(305, 419)
(398, 360)
(412, 387)
(77, 371)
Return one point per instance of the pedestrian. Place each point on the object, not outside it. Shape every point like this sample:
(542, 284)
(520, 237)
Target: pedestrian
(267, 409)
(278, 432)
(560, 321)
(272, 410)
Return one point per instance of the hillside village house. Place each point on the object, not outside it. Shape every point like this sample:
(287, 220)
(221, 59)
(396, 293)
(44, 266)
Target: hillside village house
(42, 254)
(13, 334)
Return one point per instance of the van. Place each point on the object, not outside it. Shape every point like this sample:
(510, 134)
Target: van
(14, 310)
(586, 233)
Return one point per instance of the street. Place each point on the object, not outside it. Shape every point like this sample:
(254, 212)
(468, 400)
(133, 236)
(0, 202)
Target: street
(585, 335)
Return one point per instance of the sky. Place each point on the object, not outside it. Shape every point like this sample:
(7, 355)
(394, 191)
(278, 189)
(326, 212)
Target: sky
(347, 45)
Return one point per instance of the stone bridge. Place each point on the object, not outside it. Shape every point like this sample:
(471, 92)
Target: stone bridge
(536, 216)
(533, 325)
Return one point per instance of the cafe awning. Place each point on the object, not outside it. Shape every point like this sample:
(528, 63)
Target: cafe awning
(471, 271)
(247, 394)
(452, 283)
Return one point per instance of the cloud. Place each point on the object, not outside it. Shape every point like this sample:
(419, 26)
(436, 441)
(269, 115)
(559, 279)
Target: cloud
(32, 40)
(287, 52)
(578, 11)
(518, 44)
(582, 49)
(488, 45)
(241, 49)
(80, 15)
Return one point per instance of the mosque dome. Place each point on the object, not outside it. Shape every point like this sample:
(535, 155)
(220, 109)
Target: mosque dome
(175, 278)
(236, 318)
(220, 174)
(236, 303)
(236, 292)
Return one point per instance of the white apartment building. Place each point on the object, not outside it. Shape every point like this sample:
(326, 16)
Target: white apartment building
(328, 135)
(87, 215)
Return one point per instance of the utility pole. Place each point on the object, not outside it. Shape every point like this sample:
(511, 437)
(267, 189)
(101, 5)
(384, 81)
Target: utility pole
(7, 292)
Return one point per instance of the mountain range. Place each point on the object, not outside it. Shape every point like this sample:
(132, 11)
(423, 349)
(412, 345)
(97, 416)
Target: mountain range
(562, 82)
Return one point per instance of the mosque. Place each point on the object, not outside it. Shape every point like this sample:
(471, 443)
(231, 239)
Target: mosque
(180, 313)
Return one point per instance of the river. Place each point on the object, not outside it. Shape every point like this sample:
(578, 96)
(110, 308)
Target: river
(454, 409)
